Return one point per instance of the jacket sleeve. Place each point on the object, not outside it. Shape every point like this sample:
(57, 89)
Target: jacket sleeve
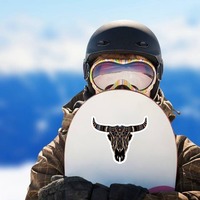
(50, 160)
(188, 173)
(49, 163)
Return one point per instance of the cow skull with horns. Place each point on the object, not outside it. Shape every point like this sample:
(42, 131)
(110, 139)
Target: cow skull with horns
(119, 137)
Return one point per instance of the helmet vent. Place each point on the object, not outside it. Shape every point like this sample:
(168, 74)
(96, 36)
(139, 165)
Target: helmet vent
(103, 43)
(142, 44)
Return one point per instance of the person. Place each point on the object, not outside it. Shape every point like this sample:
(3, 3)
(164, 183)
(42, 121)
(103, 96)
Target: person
(109, 48)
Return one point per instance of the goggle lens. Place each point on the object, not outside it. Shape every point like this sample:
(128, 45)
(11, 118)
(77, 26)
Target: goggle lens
(138, 74)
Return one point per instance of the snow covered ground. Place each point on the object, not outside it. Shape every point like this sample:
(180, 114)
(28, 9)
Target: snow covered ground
(14, 181)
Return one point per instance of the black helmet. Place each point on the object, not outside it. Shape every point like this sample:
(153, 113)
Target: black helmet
(126, 37)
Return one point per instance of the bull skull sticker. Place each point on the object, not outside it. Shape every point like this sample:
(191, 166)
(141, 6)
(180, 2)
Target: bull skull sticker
(119, 136)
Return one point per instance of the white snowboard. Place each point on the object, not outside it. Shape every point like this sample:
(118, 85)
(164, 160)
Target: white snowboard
(121, 136)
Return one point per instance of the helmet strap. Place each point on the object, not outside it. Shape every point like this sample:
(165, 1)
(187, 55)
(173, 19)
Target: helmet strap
(86, 70)
(155, 89)
(88, 91)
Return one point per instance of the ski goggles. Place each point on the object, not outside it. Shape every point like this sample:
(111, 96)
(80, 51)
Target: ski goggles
(134, 74)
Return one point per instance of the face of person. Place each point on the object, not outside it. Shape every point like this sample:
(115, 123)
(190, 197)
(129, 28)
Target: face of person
(131, 72)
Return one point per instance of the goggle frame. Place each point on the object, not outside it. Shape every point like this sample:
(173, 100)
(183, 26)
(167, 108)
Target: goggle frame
(123, 62)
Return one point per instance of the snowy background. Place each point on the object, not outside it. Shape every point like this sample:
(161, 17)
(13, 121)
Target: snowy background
(42, 46)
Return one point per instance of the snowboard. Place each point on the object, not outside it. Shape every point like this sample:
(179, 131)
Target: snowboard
(121, 136)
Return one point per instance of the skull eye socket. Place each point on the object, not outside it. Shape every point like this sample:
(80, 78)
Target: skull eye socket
(125, 131)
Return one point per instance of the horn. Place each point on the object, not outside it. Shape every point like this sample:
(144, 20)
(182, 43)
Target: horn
(139, 127)
(100, 127)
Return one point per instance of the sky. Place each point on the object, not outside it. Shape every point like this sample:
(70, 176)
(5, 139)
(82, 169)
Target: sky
(48, 35)
(52, 35)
